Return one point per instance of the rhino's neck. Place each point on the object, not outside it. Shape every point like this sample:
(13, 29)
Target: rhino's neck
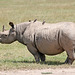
(20, 29)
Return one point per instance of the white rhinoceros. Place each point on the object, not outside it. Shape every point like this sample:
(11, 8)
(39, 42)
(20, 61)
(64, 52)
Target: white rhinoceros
(43, 38)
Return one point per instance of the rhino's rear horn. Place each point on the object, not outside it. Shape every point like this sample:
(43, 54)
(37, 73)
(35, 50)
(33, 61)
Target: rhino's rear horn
(35, 20)
(3, 29)
(11, 24)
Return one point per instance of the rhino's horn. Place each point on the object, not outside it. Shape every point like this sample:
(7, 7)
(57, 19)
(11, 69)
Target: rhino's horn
(3, 28)
(11, 24)
(35, 20)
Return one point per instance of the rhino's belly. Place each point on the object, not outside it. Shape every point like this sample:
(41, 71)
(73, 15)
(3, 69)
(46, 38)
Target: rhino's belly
(48, 47)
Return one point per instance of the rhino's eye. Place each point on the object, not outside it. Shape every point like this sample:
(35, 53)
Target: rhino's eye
(6, 35)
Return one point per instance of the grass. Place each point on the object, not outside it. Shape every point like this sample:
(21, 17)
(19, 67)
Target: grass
(46, 73)
(16, 55)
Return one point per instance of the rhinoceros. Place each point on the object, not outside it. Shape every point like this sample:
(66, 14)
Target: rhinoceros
(43, 38)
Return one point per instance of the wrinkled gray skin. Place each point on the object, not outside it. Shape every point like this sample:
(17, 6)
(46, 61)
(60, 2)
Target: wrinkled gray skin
(41, 39)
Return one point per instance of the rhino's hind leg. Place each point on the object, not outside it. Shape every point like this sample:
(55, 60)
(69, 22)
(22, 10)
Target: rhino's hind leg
(69, 61)
(71, 56)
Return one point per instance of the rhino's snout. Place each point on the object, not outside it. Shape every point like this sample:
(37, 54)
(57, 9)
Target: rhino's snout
(0, 37)
(0, 34)
(0, 40)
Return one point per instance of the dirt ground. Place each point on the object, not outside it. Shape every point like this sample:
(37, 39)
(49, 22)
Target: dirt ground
(58, 71)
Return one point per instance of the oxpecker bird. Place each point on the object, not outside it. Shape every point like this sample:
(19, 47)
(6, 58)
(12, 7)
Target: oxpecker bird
(29, 20)
(35, 20)
(43, 22)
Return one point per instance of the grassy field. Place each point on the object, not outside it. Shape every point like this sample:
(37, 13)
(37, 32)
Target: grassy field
(16, 55)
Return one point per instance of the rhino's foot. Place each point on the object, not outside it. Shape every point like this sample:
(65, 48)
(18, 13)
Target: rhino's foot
(42, 56)
(37, 58)
(69, 61)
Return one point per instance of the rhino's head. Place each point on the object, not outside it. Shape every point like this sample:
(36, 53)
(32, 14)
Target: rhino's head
(9, 36)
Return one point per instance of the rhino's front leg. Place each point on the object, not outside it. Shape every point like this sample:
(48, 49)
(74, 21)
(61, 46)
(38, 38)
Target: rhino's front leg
(34, 52)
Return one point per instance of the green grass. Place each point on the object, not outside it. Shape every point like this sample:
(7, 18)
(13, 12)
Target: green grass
(46, 73)
(16, 55)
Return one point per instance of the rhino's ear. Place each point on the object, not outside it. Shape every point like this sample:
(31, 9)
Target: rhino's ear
(11, 24)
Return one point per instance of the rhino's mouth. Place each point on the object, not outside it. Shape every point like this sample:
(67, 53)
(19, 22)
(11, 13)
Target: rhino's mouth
(1, 41)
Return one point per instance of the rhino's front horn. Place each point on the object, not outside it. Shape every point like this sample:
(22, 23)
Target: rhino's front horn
(3, 29)
(11, 24)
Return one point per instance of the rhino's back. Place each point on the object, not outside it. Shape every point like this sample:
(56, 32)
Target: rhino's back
(47, 37)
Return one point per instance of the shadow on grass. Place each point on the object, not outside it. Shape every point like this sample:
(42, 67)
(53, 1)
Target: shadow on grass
(25, 61)
(46, 62)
